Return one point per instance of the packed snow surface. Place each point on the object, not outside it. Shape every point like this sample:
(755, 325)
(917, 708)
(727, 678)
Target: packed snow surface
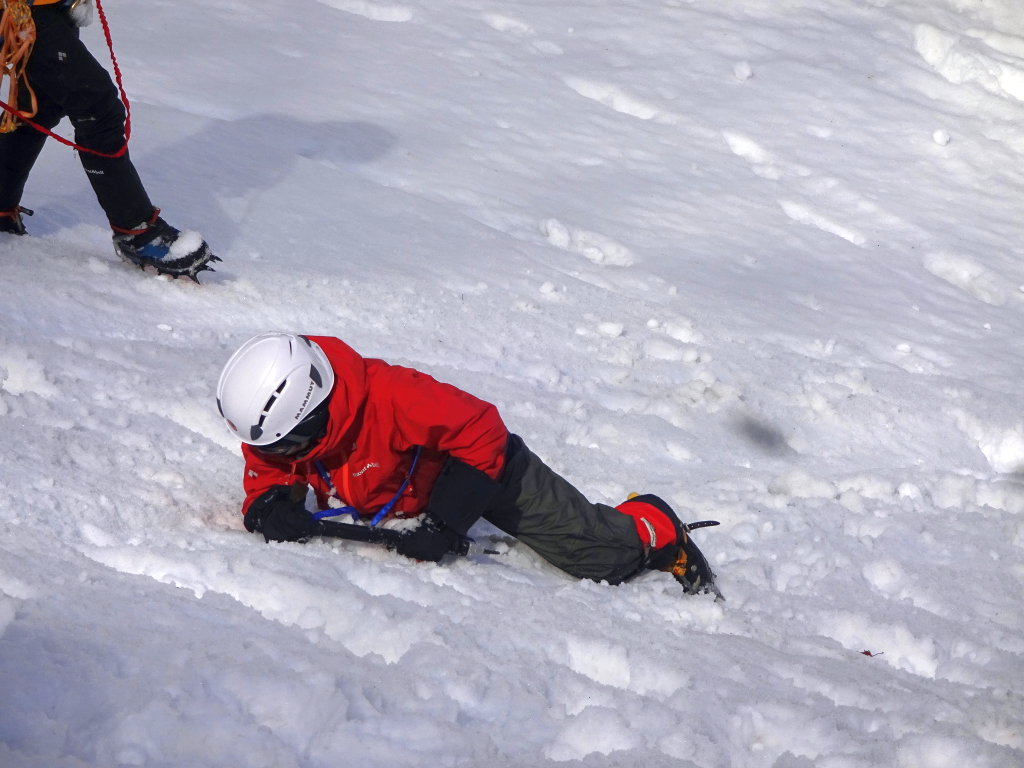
(761, 258)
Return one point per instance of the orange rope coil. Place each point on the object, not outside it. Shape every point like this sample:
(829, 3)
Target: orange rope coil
(19, 36)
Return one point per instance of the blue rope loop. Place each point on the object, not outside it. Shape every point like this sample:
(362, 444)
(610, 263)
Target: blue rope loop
(325, 476)
(337, 512)
(405, 484)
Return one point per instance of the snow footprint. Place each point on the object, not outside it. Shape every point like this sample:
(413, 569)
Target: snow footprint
(968, 276)
(598, 248)
(523, 30)
(370, 10)
(828, 192)
(505, 24)
(806, 215)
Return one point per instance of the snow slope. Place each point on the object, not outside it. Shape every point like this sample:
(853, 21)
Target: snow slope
(761, 258)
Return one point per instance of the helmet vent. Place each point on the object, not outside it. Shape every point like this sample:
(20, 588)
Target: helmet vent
(314, 374)
(270, 403)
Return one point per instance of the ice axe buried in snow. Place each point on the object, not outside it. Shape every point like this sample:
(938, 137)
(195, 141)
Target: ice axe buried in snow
(387, 537)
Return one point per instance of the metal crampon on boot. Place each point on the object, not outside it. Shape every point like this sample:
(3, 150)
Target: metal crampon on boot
(155, 243)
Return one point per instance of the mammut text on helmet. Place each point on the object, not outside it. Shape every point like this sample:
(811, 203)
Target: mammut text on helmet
(305, 400)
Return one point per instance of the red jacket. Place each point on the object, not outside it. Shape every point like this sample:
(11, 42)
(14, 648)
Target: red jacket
(379, 413)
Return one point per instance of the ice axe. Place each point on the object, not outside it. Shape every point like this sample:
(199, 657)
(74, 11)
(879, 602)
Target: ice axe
(371, 534)
(389, 538)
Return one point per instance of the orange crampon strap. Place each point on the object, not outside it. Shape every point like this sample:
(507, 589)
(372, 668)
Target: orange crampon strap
(18, 31)
(148, 223)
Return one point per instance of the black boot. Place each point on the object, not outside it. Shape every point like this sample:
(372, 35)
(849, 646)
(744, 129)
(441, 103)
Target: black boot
(11, 221)
(155, 243)
(682, 559)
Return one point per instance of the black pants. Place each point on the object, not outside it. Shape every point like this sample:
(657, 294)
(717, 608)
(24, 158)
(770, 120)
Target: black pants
(68, 81)
(544, 511)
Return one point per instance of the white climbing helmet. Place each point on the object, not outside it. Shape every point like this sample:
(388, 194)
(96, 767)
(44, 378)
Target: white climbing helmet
(272, 383)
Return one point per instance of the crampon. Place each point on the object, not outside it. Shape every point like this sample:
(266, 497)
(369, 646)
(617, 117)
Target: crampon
(155, 243)
(689, 567)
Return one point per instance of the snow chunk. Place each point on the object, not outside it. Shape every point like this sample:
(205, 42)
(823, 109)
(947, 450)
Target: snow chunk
(678, 452)
(805, 215)
(595, 729)
(1004, 448)
(612, 96)
(968, 276)
(23, 374)
(1005, 451)
(956, 62)
(598, 248)
(187, 242)
(885, 575)
(15, 587)
(801, 485)
(505, 24)
(658, 349)
(682, 330)
(746, 148)
(898, 646)
(338, 611)
(742, 71)
(602, 663)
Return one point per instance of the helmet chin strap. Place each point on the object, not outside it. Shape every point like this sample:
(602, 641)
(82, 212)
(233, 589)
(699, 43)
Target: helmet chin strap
(313, 443)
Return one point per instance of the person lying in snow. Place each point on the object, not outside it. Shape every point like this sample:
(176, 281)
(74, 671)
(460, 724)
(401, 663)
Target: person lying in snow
(380, 437)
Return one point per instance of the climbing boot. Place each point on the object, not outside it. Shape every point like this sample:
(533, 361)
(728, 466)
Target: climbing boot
(11, 221)
(155, 243)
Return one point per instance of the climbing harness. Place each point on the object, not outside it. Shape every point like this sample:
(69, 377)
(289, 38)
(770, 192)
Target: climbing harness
(333, 493)
(19, 12)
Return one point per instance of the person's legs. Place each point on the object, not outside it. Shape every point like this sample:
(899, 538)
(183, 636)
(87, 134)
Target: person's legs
(62, 69)
(545, 512)
(18, 153)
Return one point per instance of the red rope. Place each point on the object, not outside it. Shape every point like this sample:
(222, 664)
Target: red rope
(120, 87)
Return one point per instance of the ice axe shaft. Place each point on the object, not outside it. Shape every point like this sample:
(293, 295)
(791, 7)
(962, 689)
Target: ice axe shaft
(349, 532)
(386, 536)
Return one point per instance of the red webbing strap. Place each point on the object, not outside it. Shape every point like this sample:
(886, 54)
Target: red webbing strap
(120, 87)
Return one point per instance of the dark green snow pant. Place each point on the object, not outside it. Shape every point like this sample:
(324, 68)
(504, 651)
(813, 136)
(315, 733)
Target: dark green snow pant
(545, 512)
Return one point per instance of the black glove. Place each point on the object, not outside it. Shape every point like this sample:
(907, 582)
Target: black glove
(431, 541)
(278, 517)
